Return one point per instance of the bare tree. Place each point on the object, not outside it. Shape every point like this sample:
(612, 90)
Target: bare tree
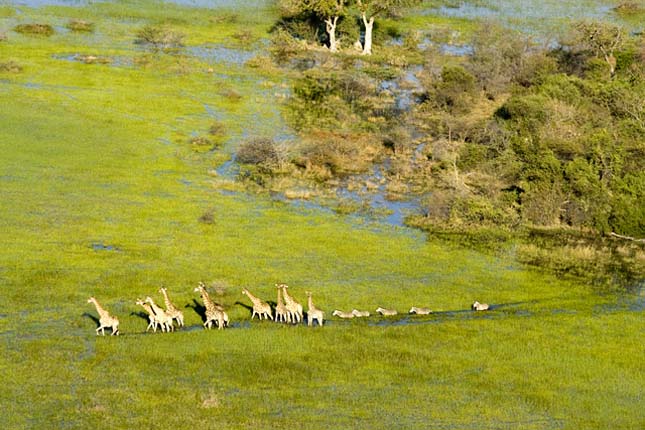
(369, 9)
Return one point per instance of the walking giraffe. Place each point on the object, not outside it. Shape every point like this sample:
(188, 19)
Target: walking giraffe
(162, 317)
(151, 315)
(214, 313)
(313, 313)
(282, 314)
(105, 319)
(171, 309)
(259, 307)
(293, 306)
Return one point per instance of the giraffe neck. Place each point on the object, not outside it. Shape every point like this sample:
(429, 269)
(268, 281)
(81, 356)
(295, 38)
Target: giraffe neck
(156, 309)
(287, 298)
(310, 303)
(148, 309)
(167, 301)
(254, 299)
(210, 306)
(102, 312)
(280, 302)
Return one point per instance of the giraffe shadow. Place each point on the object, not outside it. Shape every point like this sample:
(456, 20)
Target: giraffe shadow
(140, 314)
(245, 306)
(92, 317)
(198, 308)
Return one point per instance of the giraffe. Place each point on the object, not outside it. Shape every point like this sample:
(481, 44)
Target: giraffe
(164, 320)
(386, 312)
(214, 313)
(341, 314)
(259, 307)
(171, 309)
(420, 311)
(313, 313)
(480, 306)
(151, 315)
(281, 312)
(293, 307)
(105, 319)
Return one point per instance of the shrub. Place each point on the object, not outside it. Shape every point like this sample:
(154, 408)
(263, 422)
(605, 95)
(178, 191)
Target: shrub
(159, 37)
(35, 29)
(80, 25)
(10, 67)
(259, 151)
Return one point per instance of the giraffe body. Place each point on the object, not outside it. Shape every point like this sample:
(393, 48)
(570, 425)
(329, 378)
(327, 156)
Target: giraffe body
(260, 308)
(214, 313)
(313, 313)
(282, 314)
(162, 317)
(152, 318)
(105, 319)
(293, 306)
(171, 309)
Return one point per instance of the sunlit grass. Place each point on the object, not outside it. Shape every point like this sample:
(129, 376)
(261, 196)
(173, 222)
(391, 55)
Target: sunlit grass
(102, 194)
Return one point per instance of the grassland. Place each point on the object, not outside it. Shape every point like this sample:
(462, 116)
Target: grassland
(102, 194)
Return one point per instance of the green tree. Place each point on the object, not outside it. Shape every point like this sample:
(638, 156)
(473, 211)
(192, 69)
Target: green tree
(603, 39)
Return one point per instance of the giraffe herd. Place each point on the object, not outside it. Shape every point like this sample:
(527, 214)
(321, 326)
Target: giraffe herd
(287, 310)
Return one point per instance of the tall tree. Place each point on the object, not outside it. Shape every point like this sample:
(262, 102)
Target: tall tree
(370, 9)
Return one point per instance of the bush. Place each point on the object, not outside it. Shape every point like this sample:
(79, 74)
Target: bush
(159, 37)
(80, 25)
(35, 29)
(259, 151)
(10, 67)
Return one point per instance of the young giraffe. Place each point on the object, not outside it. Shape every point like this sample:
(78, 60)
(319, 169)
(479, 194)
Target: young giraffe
(171, 309)
(313, 313)
(151, 315)
(162, 317)
(293, 307)
(259, 307)
(214, 313)
(282, 314)
(105, 319)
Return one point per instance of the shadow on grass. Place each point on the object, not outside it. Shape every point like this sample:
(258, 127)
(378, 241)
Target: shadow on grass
(92, 317)
(198, 308)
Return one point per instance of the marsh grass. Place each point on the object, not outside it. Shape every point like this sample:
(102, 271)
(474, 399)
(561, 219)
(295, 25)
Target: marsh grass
(102, 195)
(80, 25)
(35, 29)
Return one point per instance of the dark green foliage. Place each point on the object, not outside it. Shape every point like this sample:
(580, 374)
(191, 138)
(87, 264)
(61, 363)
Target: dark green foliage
(456, 89)
(35, 29)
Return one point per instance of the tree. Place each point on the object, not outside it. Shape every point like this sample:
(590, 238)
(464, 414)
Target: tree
(330, 11)
(369, 9)
(603, 39)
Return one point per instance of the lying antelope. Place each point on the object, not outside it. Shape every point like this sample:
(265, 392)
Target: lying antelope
(359, 314)
(480, 306)
(341, 314)
(419, 311)
(386, 312)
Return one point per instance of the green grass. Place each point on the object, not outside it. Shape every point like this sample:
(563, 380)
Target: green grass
(92, 154)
